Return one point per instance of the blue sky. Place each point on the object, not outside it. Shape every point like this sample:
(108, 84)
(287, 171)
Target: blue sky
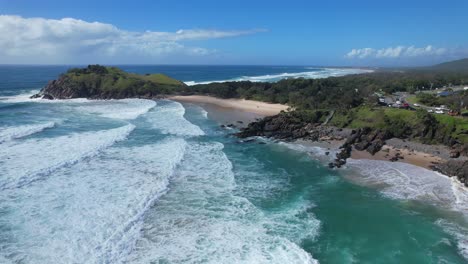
(294, 32)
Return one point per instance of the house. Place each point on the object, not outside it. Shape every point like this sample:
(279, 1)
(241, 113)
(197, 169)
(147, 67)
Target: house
(444, 93)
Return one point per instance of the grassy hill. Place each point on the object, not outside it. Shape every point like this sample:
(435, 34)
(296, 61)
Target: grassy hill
(101, 82)
(160, 78)
(453, 66)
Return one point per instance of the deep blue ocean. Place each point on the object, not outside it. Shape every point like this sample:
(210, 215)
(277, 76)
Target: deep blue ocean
(143, 181)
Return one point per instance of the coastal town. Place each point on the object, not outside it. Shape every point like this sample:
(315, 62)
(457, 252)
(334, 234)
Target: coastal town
(405, 100)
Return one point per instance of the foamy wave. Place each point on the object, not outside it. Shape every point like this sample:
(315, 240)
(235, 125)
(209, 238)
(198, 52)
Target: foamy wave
(319, 73)
(460, 233)
(91, 212)
(10, 133)
(20, 98)
(119, 109)
(200, 220)
(399, 180)
(169, 119)
(25, 162)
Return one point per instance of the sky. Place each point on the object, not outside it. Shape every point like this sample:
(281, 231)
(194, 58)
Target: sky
(222, 32)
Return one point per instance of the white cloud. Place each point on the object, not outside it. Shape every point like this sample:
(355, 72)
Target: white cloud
(397, 52)
(40, 40)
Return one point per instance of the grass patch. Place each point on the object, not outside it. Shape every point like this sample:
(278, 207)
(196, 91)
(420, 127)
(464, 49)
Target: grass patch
(160, 78)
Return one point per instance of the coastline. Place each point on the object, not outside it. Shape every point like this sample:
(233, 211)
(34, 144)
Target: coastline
(255, 107)
(239, 113)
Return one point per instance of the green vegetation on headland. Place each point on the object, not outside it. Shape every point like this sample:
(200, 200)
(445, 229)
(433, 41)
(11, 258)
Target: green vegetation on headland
(99, 82)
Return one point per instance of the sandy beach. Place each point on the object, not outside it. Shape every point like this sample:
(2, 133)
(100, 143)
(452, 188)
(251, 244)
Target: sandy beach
(256, 107)
(417, 158)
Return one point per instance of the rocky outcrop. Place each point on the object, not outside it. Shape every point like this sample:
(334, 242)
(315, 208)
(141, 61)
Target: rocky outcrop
(454, 168)
(286, 127)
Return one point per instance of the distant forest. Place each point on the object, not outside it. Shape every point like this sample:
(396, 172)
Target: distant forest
(334, 92)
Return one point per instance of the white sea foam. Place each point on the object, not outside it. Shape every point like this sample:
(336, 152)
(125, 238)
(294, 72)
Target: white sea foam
(316, 152)
(20, 98)
(118, 109)
(460, 233)
(200, 220)
(26, 161)
(404, 181)
(169, 119)
(10, 133)
(408, 182)
(204, 113)
(90, 212)
(322, 73)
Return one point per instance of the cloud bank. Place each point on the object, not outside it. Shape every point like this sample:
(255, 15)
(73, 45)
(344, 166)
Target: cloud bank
(69, 40)
(397, 52)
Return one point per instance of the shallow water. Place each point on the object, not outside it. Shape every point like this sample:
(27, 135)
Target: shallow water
(161, 183)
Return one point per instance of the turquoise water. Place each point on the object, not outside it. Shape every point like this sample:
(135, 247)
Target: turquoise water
(140, 181)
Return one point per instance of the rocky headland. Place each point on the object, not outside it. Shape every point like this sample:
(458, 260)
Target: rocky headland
(453, 159)
(100, 82)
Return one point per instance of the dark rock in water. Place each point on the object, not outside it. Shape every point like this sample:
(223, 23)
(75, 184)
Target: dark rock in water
(240, 122)
(48, 97)
(231, 125)
(35, 96)
(327, 153)
(456, 168)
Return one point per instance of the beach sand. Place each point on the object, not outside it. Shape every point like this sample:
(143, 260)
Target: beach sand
(256, 107)
(417, 158)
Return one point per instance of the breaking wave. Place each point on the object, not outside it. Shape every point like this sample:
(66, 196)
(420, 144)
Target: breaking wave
(318, 73)
(26, 161)
(201, 220)
(169, 119)
(91, 212)
(118, 109)
(10, 133)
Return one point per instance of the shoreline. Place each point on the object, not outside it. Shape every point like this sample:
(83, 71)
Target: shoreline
(239, 113)
(255, 107)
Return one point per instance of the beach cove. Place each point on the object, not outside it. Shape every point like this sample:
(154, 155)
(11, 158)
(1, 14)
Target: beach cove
(161, 181)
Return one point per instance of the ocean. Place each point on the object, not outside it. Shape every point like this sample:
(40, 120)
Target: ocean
(142, 181)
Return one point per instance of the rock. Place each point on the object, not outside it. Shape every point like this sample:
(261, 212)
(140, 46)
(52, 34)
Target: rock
(375, 146)
(35, 96)
(455, 168)
(48, 97)
(454, 154)
(327, 153)
(240, 122)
